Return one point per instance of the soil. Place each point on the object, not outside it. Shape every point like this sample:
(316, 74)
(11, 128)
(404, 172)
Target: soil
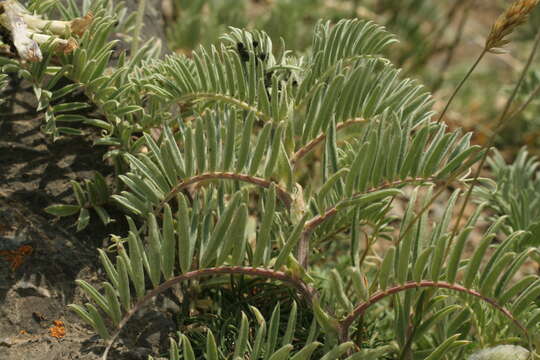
(36, 287)
(35, 173)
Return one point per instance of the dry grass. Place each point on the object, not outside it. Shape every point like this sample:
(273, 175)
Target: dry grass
(514, 16)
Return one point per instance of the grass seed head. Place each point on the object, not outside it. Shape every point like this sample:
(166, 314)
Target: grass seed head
(507, 22)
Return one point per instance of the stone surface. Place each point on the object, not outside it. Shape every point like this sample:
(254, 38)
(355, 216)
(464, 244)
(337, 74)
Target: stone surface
(502, 352)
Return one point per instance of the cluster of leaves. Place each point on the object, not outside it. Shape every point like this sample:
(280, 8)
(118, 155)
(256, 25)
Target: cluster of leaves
(202, 21)
(81, 88)
(93, 194)
(242, 161)
(431, 34)
(514, 193)
(421, 25)
(267, 342)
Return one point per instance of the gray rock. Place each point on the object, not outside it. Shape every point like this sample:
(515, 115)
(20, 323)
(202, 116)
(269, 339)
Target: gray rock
(501, 352)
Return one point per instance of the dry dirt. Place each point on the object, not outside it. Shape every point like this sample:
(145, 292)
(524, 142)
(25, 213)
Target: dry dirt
(36, 287)
(35, 173)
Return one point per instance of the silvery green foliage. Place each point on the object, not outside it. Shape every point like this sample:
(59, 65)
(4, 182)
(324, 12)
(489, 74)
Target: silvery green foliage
(502, 352)
(284, 168)
(515, 193)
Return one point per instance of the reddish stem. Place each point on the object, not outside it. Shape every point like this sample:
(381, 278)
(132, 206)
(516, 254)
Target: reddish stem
(310, 225)
(283, 195)
(361, 309)
(302, 287)
(313, 143)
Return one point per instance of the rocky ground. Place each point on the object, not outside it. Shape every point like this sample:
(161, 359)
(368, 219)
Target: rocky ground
(42, 256)
(36, 287)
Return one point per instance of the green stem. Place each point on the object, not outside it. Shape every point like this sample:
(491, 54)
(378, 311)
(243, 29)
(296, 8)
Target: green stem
(451, 50)
(225, 98)
(531, 97)
(460, 85)
(284, 67)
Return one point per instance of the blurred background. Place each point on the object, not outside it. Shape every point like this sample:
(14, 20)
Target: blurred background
(439, 41)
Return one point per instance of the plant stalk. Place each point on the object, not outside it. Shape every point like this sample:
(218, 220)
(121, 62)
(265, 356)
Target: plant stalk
(462, 82)
(364, 306)
(499, 126)
(308, 292)
(527, 102)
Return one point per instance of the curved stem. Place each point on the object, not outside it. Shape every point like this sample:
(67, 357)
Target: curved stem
(311, 224)
(304, 150)
(283, 195)
(317, 220)
(430, 202)
(308, 292)
(363, 307)
(226, 98)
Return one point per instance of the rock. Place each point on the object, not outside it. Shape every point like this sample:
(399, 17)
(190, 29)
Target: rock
(501, 352)
(5, 342)
(30, 288)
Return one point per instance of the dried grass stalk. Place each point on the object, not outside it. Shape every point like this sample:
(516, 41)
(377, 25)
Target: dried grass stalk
(514, 16)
